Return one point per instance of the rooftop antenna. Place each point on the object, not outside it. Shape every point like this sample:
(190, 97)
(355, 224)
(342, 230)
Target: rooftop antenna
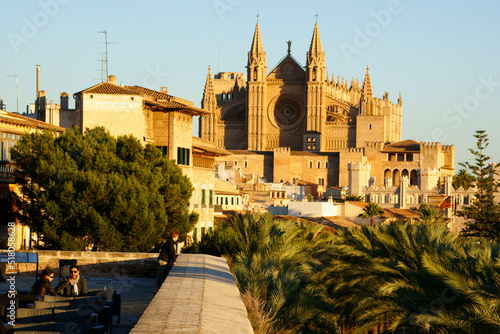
(17, 90)
(104, 61)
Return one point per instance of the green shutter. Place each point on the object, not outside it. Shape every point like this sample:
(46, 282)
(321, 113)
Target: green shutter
(202, 196)
(211, 194)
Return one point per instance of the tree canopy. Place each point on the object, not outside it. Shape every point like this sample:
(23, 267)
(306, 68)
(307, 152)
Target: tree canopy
(80, 190)
(484, 213)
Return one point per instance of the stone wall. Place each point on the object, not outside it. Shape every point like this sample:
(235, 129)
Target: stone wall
(109, 264)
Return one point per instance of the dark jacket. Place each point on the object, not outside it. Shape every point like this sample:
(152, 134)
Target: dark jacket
(66, 289)
(42, 287)
(167, 252)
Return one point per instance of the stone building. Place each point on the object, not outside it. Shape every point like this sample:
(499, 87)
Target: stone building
(297, 122)
(160, 119)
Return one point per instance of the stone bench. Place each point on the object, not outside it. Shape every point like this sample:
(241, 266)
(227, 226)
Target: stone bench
(198, 296)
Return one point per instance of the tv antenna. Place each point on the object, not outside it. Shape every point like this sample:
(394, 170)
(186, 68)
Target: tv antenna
(104, 58)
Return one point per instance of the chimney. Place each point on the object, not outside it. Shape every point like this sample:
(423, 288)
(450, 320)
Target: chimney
(43, 99)
(37, 81)
(164, 90)
(112, 79)
(64, 100)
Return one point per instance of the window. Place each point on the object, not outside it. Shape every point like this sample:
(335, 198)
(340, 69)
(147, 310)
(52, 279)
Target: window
(237, 201)
(163, 150)
(227, 202)
(131, 98)
(232, 200)
(313, 145)
(319, 164)
(246, 164)
(210, 195)
(202, 196)
(370, 126)
(321, 181)
(203, 231)
(309, 143)
(182, 156)
(310, 164)
(210, 229)
(326, 165)
(409, 157)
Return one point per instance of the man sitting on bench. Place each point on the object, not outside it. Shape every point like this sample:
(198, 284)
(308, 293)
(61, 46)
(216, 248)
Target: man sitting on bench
(72, 285)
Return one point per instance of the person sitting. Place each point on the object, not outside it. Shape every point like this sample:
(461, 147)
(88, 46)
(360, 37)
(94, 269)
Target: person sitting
(44, 285)
(72, 285)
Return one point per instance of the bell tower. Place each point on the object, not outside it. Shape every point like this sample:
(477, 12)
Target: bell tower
(316, 85)
(208, 124)
(256, 88)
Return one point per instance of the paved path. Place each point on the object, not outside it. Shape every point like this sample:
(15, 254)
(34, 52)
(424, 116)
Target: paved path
(137, 293)
(198, 296)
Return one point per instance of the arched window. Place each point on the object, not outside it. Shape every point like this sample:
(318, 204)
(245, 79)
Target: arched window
(395, 177)
(413, 178)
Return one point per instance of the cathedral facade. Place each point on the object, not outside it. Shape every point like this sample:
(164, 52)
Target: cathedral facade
(297, 122)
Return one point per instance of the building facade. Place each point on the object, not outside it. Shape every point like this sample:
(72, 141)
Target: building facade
(297, 122)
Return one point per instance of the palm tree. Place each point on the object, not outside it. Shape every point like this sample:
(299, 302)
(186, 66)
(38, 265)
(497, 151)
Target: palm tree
(462, 179)
(370, 211)
(430, 214)
(413, 278)
(278, 270)
(353, 198)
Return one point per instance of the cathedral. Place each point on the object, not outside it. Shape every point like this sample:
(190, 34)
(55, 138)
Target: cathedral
(297, 122)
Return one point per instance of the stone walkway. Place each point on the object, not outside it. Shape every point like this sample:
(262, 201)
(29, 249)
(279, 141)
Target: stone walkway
(137, 293)
(199, 296)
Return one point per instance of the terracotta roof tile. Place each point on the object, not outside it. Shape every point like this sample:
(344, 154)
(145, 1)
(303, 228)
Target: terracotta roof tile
(164, 100)
(13, 118)
(405, 145)
(108, 88)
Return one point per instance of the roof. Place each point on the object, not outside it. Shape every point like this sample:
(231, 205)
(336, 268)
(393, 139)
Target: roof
(403, 146)
(207, 147)
(358, 204)
(166, 101)
(13, 118)
(107, 88)
(223, 187)
(400, 213)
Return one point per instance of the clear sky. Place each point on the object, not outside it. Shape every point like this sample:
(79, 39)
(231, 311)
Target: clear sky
(443, 56)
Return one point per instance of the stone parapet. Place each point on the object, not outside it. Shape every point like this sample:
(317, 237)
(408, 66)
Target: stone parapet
(110, 264)
(198, 296)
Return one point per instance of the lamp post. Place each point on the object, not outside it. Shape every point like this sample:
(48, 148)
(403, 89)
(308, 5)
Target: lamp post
(17, 90)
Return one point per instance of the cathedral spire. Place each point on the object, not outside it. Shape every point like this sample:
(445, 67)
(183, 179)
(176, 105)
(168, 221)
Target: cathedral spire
(256, 65)
(367, 85)
(316, 49)
(315, 63)
(209, 87)
(257, 47)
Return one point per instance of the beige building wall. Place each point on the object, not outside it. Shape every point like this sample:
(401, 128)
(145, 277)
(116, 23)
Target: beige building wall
(120, 114)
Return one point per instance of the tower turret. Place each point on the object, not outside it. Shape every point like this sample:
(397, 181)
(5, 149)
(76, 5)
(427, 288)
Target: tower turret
(316, 86)
(256, 88)
(208, 130)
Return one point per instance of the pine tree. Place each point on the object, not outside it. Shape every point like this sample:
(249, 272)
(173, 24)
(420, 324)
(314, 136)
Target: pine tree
(483, 214)
(81, 190)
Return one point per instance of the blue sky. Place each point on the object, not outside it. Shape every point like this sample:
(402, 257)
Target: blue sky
(443, 56)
